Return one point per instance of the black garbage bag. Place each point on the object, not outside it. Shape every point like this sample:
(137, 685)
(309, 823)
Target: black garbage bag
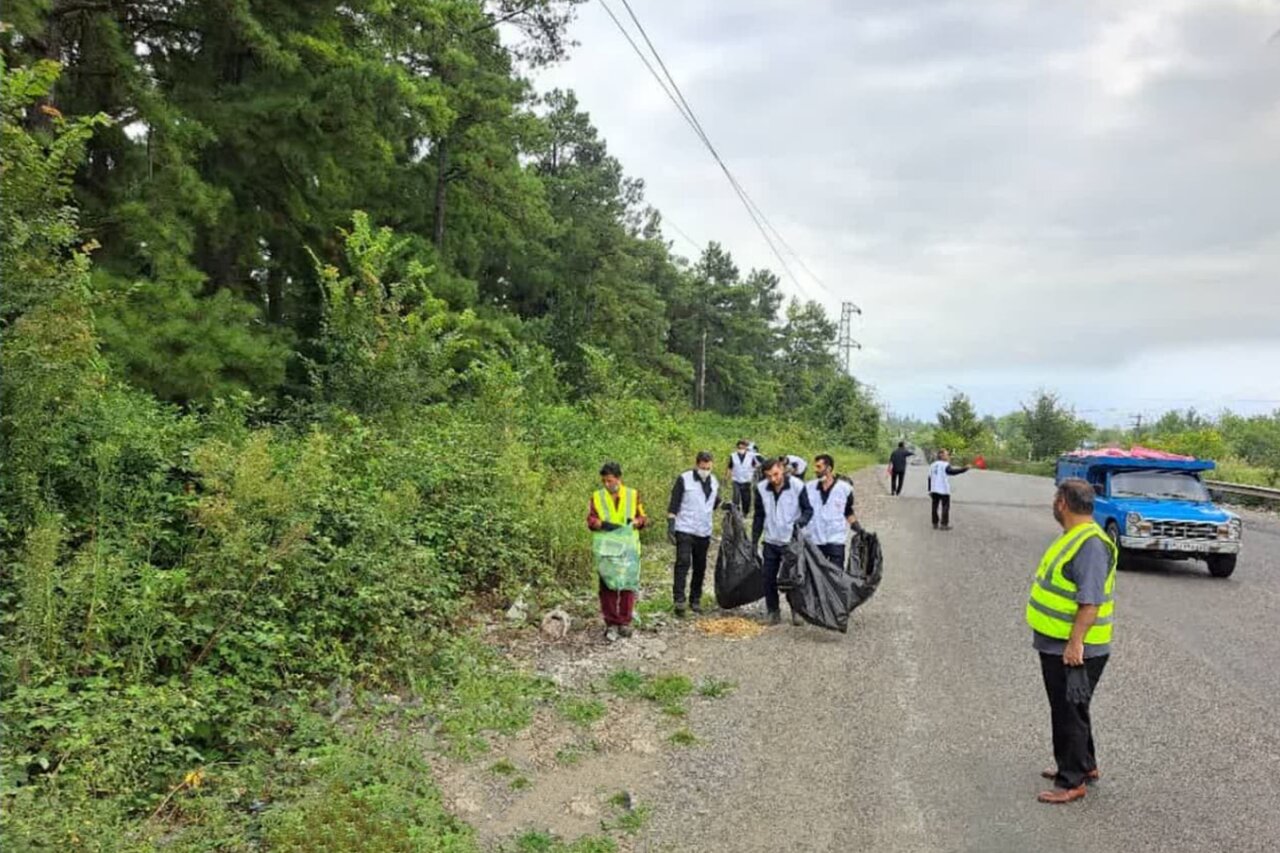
(739, 575)
(865, 564)
(820, 591)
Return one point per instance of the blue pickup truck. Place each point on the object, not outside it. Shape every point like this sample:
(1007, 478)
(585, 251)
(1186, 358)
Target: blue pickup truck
(1159, 507)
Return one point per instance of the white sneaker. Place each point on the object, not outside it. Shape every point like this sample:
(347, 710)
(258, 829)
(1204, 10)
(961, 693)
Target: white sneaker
(611, 634)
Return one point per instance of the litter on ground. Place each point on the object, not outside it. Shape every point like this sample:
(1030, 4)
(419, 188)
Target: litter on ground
(730, 627)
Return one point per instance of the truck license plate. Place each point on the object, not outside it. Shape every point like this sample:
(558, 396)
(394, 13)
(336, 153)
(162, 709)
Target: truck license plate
(1199, 547)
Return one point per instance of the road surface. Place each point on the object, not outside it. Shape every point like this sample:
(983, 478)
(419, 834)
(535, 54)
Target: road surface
(925, 727)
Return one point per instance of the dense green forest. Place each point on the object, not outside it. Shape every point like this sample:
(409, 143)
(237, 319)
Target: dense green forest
(317, 322)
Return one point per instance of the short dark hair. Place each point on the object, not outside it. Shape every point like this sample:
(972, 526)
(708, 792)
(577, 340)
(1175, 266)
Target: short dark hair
(769, 464)
(704, 456)
(902, 444)
(611, 469)
(826, 457)
(1077, 495)
(742, 442)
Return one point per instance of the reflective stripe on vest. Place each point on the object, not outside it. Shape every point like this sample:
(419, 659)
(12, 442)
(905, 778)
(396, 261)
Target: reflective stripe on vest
(620, 515)
(742, 466)
(1052, 607)
(781, 512)
(829, 526)
(696, 507)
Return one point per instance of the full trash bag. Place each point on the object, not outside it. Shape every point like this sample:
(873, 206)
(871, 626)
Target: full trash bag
(739, 575)
(617, 554)
(821, 592)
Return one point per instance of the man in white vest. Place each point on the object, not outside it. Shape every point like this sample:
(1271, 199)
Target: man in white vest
(782, 507)
(694, 500)
(742, 471)
(940, 474)
(832, 502)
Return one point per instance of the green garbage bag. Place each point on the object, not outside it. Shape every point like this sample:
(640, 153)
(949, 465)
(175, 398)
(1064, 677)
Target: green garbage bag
(617, 554)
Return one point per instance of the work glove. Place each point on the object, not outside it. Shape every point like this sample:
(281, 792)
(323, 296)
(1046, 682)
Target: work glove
(609, 526)
(1079, 690)
(857, 528)
(671, 531)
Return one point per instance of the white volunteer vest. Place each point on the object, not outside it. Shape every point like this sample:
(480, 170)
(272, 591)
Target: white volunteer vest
(696, 508)
(939, 482)
(800, 465)
(781, 512)
(828, 526)
(742, 469)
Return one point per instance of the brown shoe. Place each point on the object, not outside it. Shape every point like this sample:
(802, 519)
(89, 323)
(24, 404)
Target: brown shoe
(1092, 776)
(1059, 796)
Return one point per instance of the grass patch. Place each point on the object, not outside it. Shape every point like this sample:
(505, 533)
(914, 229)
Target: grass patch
(668, 689)
(583, 712)
(503, 768)
(570, 755)
(675, 709)
(630, 818)
(627, 683)
(683, 737)
(521, 783)
(537, 841)
(715, 688)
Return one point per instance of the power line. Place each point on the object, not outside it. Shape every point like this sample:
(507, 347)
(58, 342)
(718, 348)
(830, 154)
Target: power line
(686, 112)
(679, 231)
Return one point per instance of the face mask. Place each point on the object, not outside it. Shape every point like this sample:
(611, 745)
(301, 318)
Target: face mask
(701, 474)
(613, 488)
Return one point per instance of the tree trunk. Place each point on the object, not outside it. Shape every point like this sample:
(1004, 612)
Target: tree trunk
(700, 401)
(442, 166)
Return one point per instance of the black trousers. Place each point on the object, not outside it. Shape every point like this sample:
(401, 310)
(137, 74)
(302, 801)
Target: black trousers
(1072, 727)
(690, 550)
(896, 479)
(943, 501)
(834, 553)
(772, 562)
(742, 494)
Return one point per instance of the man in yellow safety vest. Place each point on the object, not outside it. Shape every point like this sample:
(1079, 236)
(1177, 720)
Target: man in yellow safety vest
(1070, 611)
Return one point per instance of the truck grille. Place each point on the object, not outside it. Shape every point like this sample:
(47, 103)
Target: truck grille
(1184, 530)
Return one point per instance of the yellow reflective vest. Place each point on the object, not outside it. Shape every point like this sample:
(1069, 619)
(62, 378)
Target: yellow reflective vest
(623, 513)
(1052, 607)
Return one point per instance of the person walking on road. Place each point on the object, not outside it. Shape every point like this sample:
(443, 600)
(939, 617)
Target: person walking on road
(782, 507)
(1070, 612)
(612, 507)
(940, 474)
(742, 471)
(898, 467)
(694, 500)
(832, 502)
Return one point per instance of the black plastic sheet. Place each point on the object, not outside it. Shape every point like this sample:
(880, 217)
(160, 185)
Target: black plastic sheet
(739, 575)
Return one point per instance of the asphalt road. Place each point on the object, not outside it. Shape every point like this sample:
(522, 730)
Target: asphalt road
(925, 727)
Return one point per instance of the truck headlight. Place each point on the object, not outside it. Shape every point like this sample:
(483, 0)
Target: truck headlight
(1230, 530)
(1131, 522)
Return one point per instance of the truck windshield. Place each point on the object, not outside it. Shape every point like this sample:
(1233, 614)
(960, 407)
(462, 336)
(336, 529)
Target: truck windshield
(1158, 484)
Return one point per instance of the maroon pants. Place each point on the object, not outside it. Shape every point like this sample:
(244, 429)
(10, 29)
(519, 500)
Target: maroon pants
(617, 606)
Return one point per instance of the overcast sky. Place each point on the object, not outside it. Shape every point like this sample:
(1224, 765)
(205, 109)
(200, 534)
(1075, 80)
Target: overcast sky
(1078, 195)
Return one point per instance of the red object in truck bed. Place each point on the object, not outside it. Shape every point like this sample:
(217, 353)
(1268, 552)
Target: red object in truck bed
(1135, 452)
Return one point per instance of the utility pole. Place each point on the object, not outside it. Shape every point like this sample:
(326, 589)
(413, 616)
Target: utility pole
(1137, 425)
(845, 344)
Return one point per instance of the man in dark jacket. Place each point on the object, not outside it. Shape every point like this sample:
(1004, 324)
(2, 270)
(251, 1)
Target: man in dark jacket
(898, 467)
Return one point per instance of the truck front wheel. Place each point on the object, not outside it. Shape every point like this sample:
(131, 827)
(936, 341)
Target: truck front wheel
(1222, 565)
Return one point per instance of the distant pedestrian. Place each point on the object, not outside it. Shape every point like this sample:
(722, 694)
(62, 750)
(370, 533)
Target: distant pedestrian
(782, 508)
(832, 502)
(614, 507)
(694, 499)
(898, 467)
(1070, 612)
(940, 474)
(742, 471)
